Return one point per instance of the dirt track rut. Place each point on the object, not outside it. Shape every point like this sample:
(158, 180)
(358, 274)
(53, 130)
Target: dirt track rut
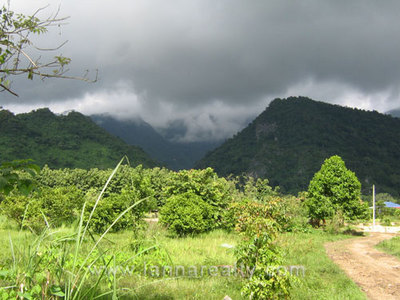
(377, 273)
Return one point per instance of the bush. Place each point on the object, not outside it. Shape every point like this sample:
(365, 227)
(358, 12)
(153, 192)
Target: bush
(296, 214)
(109, 208)
(187, 213)
(334, 225)
(251, 217)
(53, 205)
(61, 205)
(216, 192)
(257, 223)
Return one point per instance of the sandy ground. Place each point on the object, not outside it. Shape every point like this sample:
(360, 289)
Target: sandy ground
(377, 273)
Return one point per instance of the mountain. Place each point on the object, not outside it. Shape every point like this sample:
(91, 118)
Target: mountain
(175, 155)
(289, 141)
(64, 141)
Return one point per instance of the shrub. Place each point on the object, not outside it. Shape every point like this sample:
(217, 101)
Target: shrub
(24, 210)
(257, 223)
(287, 213)
(259, 189)
(60, 205)
(252, 217)
(216, 192)
(110, 207)
(187, 213)
(334, 224)
(53, 205)
(296, 214)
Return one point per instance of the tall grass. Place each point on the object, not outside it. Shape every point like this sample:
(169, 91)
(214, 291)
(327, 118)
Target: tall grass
(70, 258)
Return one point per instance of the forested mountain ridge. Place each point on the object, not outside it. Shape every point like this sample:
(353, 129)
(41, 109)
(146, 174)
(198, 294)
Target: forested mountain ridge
(70, 141)
(175, 155)
(288, 142)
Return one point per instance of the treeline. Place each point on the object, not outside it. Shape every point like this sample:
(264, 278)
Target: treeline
(189, 201)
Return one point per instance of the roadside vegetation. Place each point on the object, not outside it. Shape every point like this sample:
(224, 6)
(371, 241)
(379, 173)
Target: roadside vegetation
(391, 246)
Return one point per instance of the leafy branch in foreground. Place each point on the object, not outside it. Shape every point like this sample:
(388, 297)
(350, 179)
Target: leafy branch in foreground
(10, 176)
(17, 49)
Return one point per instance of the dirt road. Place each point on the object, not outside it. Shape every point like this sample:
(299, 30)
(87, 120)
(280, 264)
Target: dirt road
(377, 273)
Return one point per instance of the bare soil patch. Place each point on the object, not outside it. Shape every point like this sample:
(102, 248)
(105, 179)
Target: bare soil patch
(377, 273)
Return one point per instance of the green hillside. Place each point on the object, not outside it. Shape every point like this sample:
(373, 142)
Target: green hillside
(71, 141)
(288, 142)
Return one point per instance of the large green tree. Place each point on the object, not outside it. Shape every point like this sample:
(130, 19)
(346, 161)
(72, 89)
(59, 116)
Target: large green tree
(334, 188)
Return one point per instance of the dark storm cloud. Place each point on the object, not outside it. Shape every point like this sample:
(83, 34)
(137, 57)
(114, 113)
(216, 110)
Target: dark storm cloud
(182, 57)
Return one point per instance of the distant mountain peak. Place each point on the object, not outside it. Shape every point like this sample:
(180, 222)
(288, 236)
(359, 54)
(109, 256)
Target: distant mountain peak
(290, 139)
(162, 146)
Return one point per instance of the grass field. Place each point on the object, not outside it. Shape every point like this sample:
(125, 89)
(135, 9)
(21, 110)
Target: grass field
(322, 279)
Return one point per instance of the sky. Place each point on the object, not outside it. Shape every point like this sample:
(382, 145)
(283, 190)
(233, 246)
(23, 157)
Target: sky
(213, 65)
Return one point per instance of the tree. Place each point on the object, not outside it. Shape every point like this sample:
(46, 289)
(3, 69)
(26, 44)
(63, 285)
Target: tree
(18, 175)
(17, 49)
(334, 188)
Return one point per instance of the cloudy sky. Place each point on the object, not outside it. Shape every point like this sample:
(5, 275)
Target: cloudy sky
(215, 64)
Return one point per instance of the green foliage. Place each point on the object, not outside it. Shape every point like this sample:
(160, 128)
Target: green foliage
(110, 207)
(334, 188)
(288, 142)
(54, 206)
(257, 223)
(62, 193)
(296, 214)
(138, 180)
(251, 217)
(258, 189)
(187, 213)
(391, 246)
(214, 191)
(58, 266)
(269, 280)
(386, 221)
(386, 197)
(289, 212)
(157, 178)
(336, 223)
(17, 174)
(65, 141)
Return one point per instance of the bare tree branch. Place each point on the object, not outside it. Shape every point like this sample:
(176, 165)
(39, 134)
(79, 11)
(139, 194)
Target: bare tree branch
(8, 90)
(15, 30)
